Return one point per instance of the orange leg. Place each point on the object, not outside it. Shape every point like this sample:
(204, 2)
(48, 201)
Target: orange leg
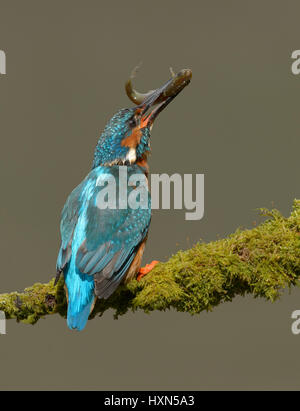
(145, 270)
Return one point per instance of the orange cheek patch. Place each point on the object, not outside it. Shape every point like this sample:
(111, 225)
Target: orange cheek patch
(145, 120)
(133, 139)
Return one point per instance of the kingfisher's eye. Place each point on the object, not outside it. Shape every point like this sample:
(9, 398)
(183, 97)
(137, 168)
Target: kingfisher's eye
(133, 122)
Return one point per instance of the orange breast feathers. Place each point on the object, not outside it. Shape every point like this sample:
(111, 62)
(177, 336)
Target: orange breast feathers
(133, 139)
(142, 162)
(136, 263)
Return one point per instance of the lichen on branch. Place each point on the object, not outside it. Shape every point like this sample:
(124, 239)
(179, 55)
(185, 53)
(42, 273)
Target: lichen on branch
(261, 261)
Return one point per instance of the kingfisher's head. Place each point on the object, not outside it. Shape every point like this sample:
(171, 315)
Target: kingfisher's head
(126, 137)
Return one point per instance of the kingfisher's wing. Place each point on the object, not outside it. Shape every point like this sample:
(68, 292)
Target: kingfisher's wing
(110, 237)
(110, 245)
(69, 218)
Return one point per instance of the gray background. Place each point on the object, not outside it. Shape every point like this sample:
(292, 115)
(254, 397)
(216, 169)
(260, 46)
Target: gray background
(238, 123)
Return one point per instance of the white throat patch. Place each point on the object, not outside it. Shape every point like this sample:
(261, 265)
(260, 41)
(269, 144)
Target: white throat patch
(131, 156)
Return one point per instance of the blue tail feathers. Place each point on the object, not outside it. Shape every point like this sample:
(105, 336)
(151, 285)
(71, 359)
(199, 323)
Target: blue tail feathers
(77, 321)
(80, 298)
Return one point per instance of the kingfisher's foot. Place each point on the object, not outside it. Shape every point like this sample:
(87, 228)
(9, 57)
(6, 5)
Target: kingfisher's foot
(145, 270)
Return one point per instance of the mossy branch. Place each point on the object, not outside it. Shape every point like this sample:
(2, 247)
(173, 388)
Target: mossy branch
(261, 261)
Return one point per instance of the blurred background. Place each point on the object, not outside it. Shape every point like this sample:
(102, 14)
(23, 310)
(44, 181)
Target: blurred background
(237, 123)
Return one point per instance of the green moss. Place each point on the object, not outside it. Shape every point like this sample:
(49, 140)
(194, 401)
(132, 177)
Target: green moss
(29, 305)
(262, 261)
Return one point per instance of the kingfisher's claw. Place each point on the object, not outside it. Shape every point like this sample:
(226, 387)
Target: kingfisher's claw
(145, 270)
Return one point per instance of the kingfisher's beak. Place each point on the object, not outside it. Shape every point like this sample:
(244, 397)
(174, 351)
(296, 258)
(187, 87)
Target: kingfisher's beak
(153, 102)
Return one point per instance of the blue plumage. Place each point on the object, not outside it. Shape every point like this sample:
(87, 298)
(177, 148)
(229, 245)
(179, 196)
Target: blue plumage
(101, 247)
(94, 239)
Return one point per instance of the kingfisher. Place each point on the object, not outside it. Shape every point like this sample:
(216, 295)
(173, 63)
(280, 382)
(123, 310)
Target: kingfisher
(103, 247)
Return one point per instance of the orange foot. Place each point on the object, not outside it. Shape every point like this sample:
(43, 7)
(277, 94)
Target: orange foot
(145, 270)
